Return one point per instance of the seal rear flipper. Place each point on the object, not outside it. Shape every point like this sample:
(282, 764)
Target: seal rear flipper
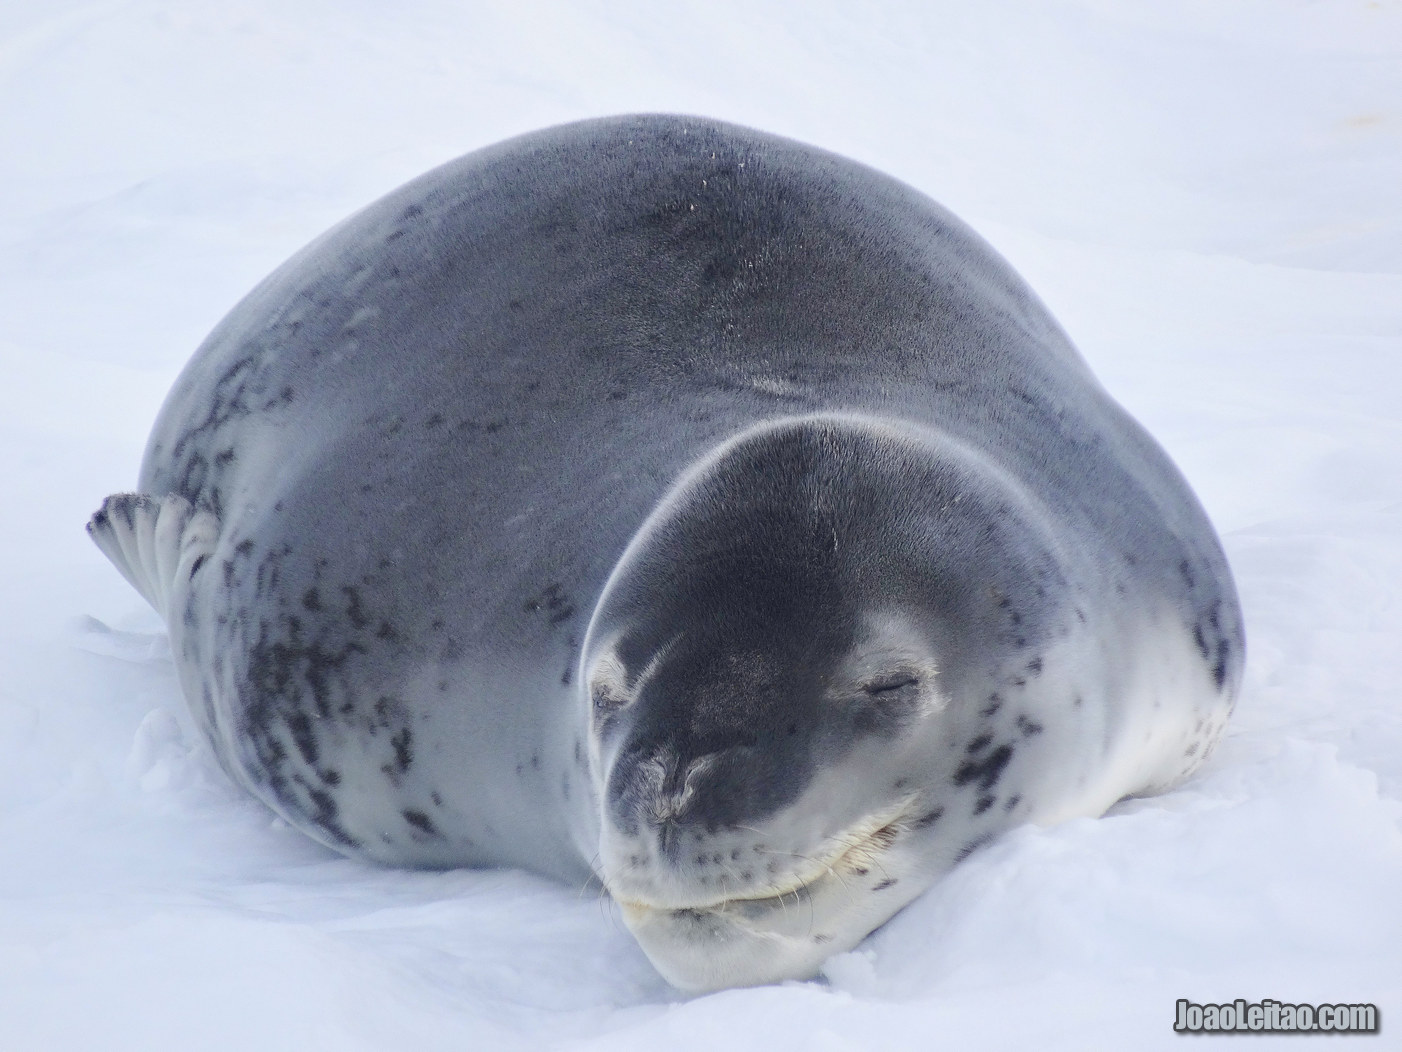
(155, 542)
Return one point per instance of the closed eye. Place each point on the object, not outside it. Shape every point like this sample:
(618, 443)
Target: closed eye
(890, 684)
(606, 699)
(607, 687)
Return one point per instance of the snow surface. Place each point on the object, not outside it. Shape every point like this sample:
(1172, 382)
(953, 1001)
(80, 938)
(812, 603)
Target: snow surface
(1208, 194)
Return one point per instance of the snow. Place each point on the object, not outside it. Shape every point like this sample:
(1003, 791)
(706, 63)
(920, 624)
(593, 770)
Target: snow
(1204, 191)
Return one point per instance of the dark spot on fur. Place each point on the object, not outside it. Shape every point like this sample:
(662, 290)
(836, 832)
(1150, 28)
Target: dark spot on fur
(311, 600)
(1035, 666)
(984, 803)
(929, 818)
(1219, 668)
(1027, 726)
(300, 724)
(195, 566)
(822, 938)
(889, 882)
(553, 601)
(1187, 572)
(1200, 641)
(403, 749)
(385, 708)
(986, 771)
(972, 846)
(1012, 801)
(421, 821)
(354, 612)
(995, 702)
(978, 743)
(325, 817)
(436, 798)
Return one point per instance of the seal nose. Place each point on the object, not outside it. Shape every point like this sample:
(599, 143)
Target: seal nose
(678, 788)
(675, 797)
(662, 790)
(655, 784)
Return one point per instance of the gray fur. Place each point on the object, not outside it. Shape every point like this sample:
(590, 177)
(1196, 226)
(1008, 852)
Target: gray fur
(657, 498)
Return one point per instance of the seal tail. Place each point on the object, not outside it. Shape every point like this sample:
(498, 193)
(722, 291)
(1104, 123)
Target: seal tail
(156, 542)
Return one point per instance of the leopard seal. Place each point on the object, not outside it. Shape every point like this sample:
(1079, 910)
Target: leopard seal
(655, 500)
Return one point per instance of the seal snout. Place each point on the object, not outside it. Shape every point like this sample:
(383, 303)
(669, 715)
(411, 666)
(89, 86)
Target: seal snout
(669, 794)
(678, 784)
(815, 895)
(661, 793)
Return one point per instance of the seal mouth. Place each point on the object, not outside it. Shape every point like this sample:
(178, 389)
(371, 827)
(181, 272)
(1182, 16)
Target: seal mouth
(853, 851)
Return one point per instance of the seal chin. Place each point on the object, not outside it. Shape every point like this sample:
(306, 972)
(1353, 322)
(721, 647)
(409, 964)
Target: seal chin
(703, 942)
(748, 942)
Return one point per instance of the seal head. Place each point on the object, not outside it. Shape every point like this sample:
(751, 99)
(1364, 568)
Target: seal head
(770, 674)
